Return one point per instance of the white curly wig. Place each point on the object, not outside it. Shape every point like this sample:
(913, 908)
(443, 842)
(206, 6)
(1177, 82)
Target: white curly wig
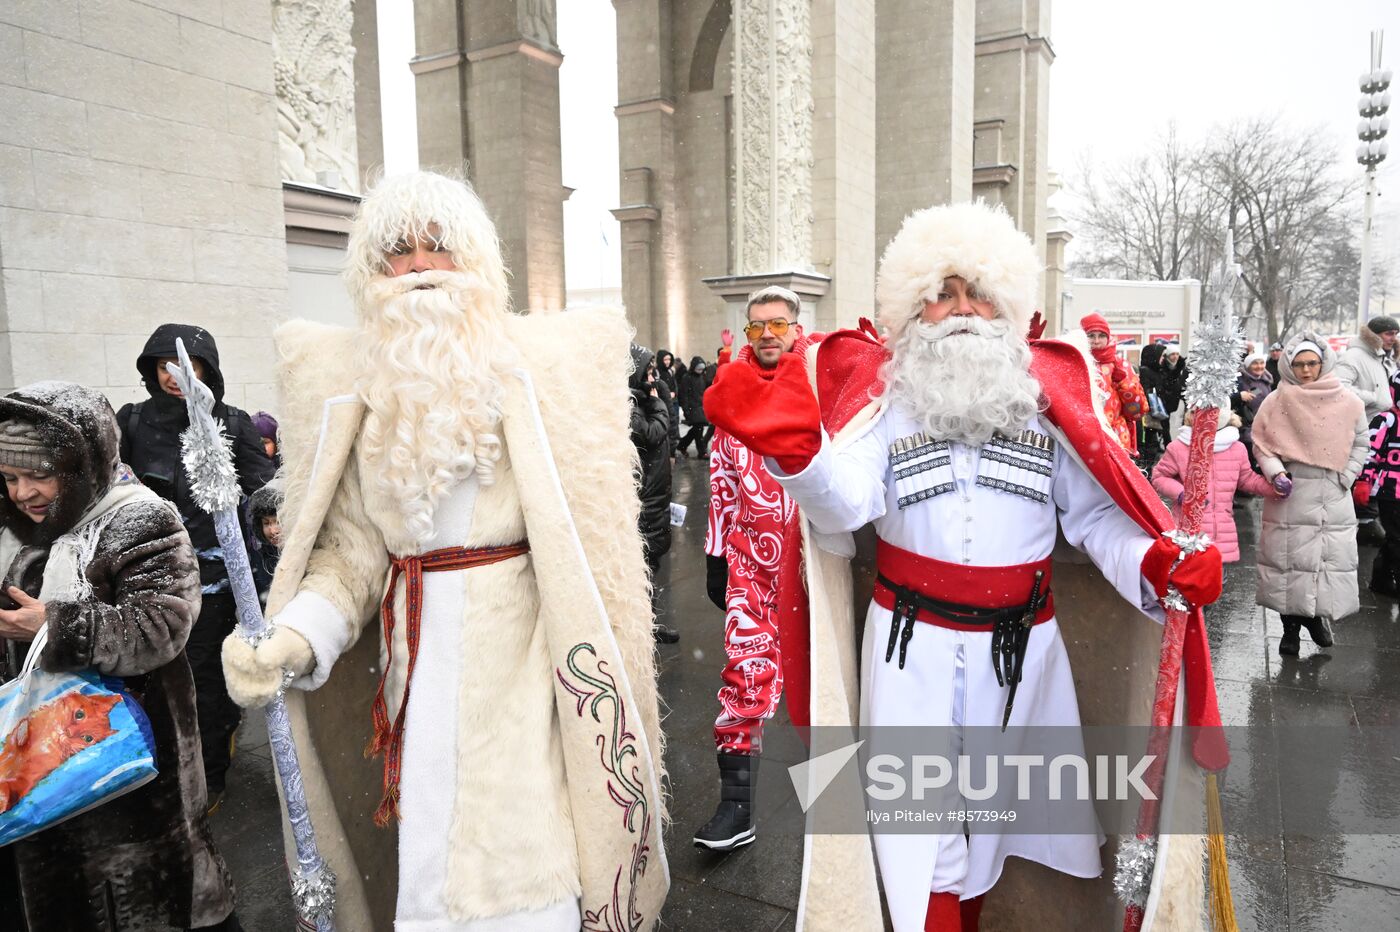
(972, 240)
(403, 206)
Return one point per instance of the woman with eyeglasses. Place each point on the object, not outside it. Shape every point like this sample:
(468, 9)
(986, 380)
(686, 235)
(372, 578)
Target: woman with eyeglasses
(1310, 439)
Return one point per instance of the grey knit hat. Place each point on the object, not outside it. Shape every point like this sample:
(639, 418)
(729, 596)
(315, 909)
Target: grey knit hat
(22, 446)
(1383, 325)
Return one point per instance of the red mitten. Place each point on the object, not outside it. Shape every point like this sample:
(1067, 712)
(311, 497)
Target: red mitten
(1157, 564)
(1361, 493)
(1199, 578)
(771, 411)
(1037, 327)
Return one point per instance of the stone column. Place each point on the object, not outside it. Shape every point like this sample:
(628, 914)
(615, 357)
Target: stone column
(773, 155)
(772, 136)
(653, 284)
(1013, 102)
(488, 103)
(924, 107)
(843, 170)
(1057, 237)
(369, 119)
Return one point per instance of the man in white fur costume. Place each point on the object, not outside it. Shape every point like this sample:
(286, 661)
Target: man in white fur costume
(969, 461)
(491, 528)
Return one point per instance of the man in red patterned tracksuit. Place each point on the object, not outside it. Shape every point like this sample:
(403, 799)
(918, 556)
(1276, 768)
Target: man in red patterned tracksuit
(743, 548)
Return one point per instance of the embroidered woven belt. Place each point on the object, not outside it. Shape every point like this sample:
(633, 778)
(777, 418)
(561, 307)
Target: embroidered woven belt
(1006, 601)
(389, 737)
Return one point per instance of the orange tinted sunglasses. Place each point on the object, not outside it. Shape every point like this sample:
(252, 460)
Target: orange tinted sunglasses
(754, 328)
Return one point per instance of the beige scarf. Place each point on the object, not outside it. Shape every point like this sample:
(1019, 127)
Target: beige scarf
(1313, 423)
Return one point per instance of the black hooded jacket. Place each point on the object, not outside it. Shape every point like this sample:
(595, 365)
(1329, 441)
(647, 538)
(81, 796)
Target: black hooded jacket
(651, 425)
(667, 372)
(150, 436)
(693, 385)
(1157, 376)
(1150, 370)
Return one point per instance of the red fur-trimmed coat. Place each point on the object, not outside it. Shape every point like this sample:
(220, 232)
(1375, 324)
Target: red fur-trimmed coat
(1124, 404)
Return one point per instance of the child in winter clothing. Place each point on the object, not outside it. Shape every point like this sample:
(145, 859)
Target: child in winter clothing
(1380, 480)
(267, 535)
(1230, 472)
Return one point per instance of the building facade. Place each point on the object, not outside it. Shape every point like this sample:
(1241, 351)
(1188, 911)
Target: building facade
(784, 141)
(167, 161)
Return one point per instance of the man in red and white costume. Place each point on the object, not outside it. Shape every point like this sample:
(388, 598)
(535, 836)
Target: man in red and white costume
(967, 470)
(749, 516)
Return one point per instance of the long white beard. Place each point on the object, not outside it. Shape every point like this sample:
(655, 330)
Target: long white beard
(432, 351)
(964, 378)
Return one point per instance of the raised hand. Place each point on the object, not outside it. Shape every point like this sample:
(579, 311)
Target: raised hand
(771, 411)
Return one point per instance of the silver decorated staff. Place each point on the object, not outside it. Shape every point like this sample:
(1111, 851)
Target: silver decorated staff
(208, 462)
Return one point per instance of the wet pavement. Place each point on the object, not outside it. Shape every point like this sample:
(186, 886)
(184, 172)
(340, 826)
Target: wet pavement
(1281, 881)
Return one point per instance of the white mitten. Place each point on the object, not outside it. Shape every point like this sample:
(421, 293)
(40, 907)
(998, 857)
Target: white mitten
(254, 674)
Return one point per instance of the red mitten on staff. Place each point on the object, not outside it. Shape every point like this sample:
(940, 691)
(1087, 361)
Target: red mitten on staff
(771, 411)
(1361, 493)
(1199, 578)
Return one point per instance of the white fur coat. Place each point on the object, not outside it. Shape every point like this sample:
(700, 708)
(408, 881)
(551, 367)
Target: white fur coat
(540, 828)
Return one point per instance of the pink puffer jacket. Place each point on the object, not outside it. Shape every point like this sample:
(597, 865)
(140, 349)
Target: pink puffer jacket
(1229, 472)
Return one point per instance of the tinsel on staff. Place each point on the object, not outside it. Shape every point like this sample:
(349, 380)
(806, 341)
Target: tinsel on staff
(1216, 350)
(208, 461)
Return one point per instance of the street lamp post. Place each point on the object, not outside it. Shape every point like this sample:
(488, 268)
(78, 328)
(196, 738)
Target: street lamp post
(1375, 101)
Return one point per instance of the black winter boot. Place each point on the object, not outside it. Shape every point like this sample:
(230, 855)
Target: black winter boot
(732, 824)
(1288, 646)
(1319, 630)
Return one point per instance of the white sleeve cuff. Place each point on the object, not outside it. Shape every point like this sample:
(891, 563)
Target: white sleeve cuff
(316, 618)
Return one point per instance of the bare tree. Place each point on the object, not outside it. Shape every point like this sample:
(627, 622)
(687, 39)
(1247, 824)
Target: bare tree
(1152, 217)
(1162, 216)
(1293, 235)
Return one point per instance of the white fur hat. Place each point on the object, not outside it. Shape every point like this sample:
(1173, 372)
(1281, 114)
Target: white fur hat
(972, 240)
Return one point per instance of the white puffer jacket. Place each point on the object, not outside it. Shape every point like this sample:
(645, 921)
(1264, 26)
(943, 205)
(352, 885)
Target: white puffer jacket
(1366, 370)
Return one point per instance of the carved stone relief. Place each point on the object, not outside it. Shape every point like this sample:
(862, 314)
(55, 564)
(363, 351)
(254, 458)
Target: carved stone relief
(773, 135)
(314, 74)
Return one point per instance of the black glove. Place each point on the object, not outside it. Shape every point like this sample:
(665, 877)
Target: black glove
(717, 580)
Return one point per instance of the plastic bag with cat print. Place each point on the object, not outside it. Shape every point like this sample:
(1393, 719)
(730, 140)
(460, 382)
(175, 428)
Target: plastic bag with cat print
(68, 742)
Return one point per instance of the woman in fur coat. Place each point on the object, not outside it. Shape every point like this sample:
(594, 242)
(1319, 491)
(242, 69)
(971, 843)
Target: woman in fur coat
(1251, 388)
(145, 860)
(1310, 438)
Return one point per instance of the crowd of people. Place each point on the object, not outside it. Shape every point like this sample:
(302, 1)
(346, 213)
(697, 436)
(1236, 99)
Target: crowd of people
(490, 536)
(1309, 431)
(155, 610)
